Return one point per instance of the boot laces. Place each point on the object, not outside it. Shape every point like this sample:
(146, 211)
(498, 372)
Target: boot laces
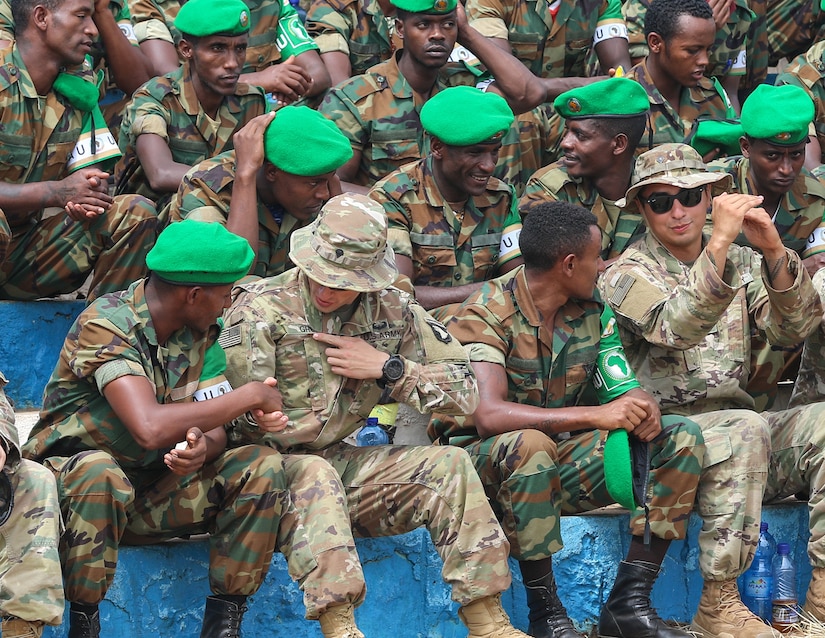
(733, 606)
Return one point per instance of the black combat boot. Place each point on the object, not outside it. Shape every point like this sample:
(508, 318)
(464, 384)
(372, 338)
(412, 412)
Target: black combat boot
(548, 618)
(222, 617)
(83, 622)
(627, 612)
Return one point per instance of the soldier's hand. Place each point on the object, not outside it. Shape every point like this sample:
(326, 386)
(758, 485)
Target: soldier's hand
(352, 357)
(625, 413)
(249, 144)
(190, 459)
(814, 263)
(651, 425)
(86, 188)
(728, 214)
(287, 81)
(761, 231)
(721, 12)
(461, 21)
(268, 414)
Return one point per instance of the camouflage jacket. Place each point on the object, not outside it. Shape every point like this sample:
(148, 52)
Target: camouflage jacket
(566, 367)
(269, 332)
(799, 218)
(206, 194)
(808, 71)
(168, 106)
(154, 20)
(728, 55)
(37, 134)
(357, 28)
(378, 113)
(448, 250)
(687, 332)
(550, 47)
(792, 27)
(552, 183)
(112, 338)
(666, 124)
(8, 429)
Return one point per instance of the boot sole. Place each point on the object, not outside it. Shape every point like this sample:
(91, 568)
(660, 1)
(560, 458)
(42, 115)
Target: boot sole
(704, 633)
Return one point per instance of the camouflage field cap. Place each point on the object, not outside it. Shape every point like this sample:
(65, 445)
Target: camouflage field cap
(425, 6)
(778, 114)
(346, 246)
(465, 115)
(673, 164)
(201, 18)
(613, 97)
(196, 253)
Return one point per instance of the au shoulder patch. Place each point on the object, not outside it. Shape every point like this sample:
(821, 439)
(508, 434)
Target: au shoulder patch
(439, 331)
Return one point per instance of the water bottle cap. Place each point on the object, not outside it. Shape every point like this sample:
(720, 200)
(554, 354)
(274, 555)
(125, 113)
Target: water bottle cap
(372, 420)
(783, 548)
(763, 527)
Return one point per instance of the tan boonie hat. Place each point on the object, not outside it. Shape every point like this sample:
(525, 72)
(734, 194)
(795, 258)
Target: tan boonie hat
(346, 246)
(676, 165)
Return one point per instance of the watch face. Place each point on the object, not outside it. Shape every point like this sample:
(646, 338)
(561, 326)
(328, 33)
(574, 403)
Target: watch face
(394, 369)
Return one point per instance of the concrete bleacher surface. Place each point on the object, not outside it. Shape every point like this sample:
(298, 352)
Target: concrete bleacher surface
(159, 590)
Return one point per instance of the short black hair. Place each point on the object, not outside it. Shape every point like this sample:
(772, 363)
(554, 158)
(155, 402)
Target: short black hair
(633, 127)
(21, 11)
(553, 230)
(662, 16)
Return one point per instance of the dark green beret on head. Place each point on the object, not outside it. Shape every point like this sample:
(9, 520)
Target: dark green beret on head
(778, 114)
(201, 18)
(425, 6)
(301, 141)
(199, 253)
(614, 97)
(465, 115)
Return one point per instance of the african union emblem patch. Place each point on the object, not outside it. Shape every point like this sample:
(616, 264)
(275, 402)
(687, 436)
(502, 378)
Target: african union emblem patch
(244, 19)
(440, 5)
(613, 375)
(573, 105)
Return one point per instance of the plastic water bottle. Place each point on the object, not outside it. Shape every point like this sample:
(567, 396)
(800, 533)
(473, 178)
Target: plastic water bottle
(785, 610)
(372, 434)
(757, 582)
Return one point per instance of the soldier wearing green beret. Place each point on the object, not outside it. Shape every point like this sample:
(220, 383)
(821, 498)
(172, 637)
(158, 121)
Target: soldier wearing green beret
(604, 122)
(453, 225)
(275, 181)
(808, 72)
(120, 422)
(776, 121)
(182, 118)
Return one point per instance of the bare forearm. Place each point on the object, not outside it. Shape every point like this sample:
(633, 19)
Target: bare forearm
(434, 296)
(243, 210)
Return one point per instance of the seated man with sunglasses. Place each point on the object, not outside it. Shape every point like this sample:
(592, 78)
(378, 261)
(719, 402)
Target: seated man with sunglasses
(686, 304)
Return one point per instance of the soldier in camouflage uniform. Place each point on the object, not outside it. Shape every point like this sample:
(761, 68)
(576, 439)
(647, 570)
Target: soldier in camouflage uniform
(678, 91)
(275, 181)
(792, 27)
(728, 60)
(379, 110)
(337, 337)
(687, 304)
(808, 71)
(118, 402)
(537, 396)
(32, 592)
(276, 35)
(775, 120)
(604, 122)
(452, 225)
(39, 141)
(182, 118)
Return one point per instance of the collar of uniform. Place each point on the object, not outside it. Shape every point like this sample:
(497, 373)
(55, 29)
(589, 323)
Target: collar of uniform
(392, 74)
(182, 340)
(15, 67)
(524, 300)
(189, 99)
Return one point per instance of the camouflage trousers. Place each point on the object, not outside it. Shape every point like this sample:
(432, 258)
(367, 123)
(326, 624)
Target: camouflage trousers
(343, 492)
(56, 255)
(31, 585)
(797, 465)
(737, 445)
(238, 499)
(531, 480)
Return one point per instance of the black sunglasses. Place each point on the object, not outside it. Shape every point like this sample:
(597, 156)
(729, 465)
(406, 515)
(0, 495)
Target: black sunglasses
(661, 203)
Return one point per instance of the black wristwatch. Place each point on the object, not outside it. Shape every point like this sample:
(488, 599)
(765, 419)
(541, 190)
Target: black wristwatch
(392, 371)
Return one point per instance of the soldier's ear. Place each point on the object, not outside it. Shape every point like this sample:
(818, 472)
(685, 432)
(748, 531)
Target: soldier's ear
(619, 144)
(185, 48)
(655, 42)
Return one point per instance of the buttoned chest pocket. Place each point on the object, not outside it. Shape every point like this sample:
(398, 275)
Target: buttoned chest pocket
(526, 46)
(363, 55)
(485, 255)
(396, 147)
(15, 156)
(578, 370)
(300, 367)
(187, 151)
(525, 378)
(433, 257)
(58, 150)
(669, 362)
(261, 51)
(576, 52)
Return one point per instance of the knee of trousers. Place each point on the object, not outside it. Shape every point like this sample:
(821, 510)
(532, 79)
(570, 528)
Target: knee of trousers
(93, 474)
(524, 452)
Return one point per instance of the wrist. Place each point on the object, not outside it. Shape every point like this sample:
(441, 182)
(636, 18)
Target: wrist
(774, 254)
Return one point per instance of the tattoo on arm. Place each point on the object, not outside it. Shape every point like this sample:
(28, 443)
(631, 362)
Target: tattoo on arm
(774, 266)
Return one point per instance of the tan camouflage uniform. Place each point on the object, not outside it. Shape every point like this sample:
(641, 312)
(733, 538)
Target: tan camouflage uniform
(342, 491)
(810, 381)
(687, 334)
(206, 194)
(619, 227)
(32, 583)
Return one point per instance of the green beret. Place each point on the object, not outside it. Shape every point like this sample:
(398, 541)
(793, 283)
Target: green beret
(301, 141)
(614, 97)
(465, 115)
(201, 18)
(425, 6)
(192, 252)
(778, 114)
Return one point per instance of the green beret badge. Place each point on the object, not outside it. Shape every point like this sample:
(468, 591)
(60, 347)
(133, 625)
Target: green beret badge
(244, 18)
(573, 105)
